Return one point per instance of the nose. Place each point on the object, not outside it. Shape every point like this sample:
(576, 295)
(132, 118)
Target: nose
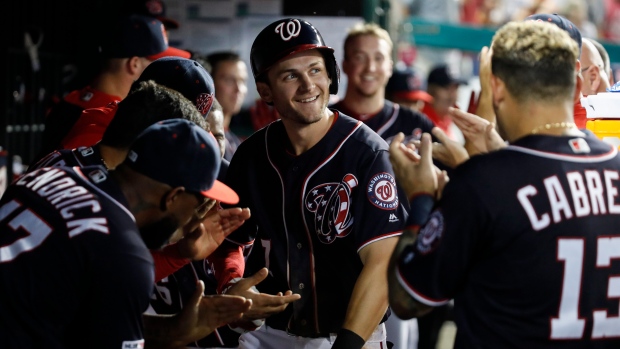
(307, 84)
(371, 65)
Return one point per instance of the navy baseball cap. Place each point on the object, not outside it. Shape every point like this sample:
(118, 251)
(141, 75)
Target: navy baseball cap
(141, 36)
(443, 76)
(185, 76)
(561, 22)
(152, 8)
(180, 153)
(406, 84)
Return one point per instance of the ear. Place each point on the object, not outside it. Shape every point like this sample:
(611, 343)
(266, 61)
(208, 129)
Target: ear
(171, 197)
(264, 91)
(498, 89)
(596, 78)
(135, 66)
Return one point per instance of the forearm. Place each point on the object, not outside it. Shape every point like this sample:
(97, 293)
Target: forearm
(162, 331)
(403, 305)
(369, 299)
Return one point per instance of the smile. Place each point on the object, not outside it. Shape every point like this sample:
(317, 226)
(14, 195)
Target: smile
(308, 100)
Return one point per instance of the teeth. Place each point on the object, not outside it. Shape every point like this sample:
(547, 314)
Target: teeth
(368, 78)
(309, 99)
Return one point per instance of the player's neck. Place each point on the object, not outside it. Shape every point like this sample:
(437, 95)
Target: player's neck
(554, 119)
(363, 105)
(304, 136)
(111, 156)
(112, 84)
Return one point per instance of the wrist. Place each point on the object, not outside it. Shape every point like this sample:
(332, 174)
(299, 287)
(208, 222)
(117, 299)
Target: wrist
(347, 339)
(420, 207)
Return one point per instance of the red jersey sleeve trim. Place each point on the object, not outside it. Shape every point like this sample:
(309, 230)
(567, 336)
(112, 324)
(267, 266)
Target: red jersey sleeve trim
(417, 295)
(380, 237)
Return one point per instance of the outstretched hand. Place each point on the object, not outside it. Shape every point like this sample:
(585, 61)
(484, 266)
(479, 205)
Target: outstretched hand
(263, 305)
(203, 314)
(478, 132)
(449, 152)
(204, 236)
(414, 176)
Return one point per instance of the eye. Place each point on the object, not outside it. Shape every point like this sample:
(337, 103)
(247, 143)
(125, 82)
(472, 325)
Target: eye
(315, 70)
(290, 76)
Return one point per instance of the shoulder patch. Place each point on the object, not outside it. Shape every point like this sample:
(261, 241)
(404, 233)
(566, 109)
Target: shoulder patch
(431, 233)
(381, 191)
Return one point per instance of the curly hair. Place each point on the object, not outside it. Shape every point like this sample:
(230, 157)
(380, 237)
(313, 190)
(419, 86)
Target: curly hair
(535, 60)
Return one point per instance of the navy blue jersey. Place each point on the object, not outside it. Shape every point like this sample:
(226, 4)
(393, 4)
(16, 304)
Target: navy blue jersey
(74, 271)
(394, 118)
(173, 291)
(314, 213)
(526, 241)
(81, 157)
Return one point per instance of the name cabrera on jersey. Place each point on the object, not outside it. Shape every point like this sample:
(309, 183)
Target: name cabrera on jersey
(73, 268)
(526, 241)
(314, 213)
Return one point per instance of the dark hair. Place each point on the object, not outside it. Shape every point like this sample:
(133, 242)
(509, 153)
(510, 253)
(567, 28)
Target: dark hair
(216, 58)
(146, 104)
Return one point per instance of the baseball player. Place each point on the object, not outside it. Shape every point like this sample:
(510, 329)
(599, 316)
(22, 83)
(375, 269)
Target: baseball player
(532, 259)
(185, 76)
(368, 65)
(131, 45)
(324, 202)
(74, 263)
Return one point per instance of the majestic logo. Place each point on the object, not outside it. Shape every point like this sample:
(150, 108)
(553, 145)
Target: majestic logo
(204, 102)
(331, 205)
(292, 29)
(393, 218)
(381, 191)
(429, 236)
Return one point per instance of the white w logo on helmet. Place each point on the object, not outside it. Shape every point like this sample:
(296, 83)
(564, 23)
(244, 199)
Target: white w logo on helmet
(292, 29)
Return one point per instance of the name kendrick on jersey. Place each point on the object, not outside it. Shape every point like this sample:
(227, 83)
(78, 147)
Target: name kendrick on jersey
(592, 192)
(60, 190)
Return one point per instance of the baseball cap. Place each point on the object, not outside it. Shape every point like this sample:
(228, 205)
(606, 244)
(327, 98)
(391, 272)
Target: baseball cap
(152, 8)
(406, 84)
(443, 76)
(180, 153)
(561, 22)
(185, 76)
(141, 36)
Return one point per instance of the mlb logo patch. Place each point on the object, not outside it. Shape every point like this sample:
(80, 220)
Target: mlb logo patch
(138, 344)
(579, 146)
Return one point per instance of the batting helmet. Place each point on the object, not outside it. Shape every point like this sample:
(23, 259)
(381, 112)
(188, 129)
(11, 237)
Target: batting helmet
(286, 37)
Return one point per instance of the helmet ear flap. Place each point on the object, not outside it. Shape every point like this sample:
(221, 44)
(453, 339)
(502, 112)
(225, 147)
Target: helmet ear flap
(333, 70)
